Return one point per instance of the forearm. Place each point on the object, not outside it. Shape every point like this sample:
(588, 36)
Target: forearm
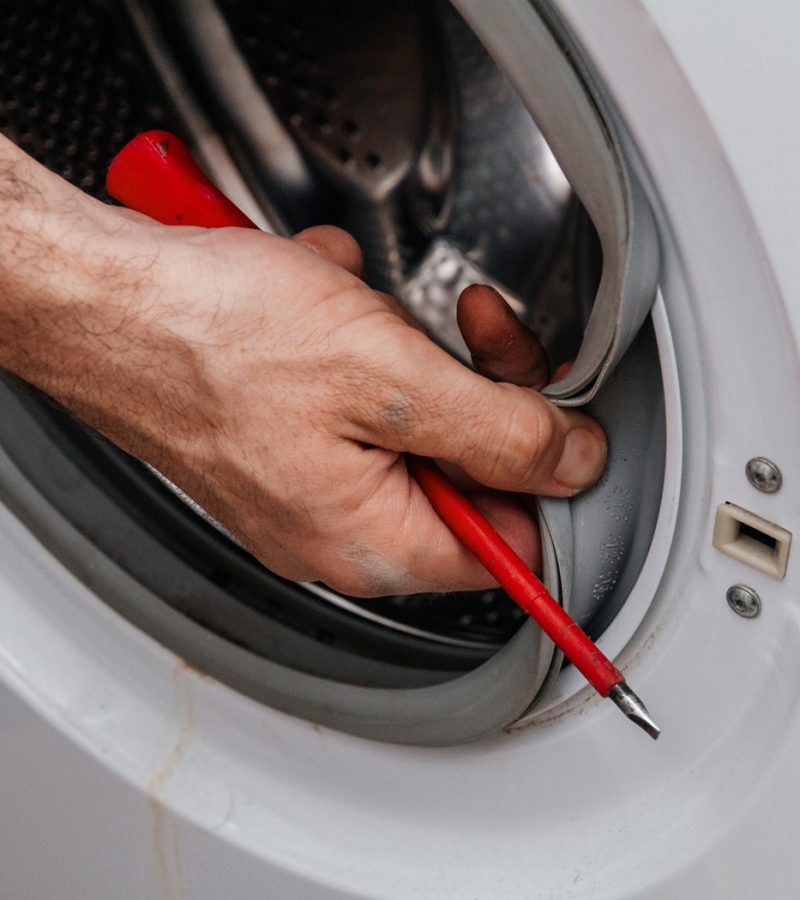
(73, 315)
(48, 272)
(44, 229)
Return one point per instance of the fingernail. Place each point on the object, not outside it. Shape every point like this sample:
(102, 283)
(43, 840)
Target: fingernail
(581, 460)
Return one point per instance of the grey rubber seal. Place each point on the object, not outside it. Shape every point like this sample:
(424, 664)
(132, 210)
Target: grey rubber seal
(580, 133)
(616, 371)
(457, 711)
(609, 528)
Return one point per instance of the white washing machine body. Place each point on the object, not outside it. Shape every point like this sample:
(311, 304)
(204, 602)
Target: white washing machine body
(128, 773)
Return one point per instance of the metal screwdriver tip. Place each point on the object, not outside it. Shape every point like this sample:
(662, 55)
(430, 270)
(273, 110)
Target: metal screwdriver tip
(634, 709)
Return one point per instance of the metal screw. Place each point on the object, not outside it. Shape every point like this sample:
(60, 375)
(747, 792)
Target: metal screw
(744, 601)
(764, 475)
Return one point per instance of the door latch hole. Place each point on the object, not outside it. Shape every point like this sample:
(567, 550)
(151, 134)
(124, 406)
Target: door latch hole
(758, 543)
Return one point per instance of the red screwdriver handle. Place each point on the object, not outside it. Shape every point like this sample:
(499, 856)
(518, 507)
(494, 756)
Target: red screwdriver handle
(156, 175)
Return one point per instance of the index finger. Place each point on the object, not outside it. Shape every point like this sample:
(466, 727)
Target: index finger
(502, 347)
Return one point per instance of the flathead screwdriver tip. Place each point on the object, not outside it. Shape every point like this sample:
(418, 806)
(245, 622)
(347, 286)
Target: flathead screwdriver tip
(634, 709)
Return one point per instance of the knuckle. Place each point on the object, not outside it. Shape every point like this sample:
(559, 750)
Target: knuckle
(340, 582)
(389, 415)
(344, 237)
(543, 432)
(525, 441)
(390, 403)
(351, 582)
(348, 247)
(397, 411)
(333, 574)
(362, 564)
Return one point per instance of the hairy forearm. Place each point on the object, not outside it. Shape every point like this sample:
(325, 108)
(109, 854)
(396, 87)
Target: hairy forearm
(45, 226)
(77, 308)
(48, 270)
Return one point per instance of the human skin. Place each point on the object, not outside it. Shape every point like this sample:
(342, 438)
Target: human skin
(270, 383)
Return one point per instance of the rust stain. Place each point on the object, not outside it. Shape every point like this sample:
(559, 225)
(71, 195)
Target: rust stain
(572, 709)
(580, 708)
(166, 841)
(199, 673)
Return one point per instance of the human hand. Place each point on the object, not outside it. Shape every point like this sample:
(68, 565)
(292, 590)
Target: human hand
(267, 381)
(311, 390)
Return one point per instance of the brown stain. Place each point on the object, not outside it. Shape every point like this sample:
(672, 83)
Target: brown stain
(581, 707)
(648, 642)
(166, 842)
(198, 673)
(572, 709)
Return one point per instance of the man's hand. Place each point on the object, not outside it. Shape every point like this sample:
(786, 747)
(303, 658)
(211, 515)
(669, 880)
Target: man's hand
(268, 381)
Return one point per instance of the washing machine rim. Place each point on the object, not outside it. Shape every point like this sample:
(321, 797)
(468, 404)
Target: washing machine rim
(382, 825)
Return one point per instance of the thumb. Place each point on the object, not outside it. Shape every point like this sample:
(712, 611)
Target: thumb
(504, 436)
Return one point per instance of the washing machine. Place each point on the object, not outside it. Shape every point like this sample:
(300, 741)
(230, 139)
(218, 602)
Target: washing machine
(178, 722)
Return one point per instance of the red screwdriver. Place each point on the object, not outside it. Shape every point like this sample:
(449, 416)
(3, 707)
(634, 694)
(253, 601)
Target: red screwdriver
(156, 175)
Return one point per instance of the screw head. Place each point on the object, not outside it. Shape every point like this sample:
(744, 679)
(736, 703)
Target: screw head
(744, 601)
(764, 475)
